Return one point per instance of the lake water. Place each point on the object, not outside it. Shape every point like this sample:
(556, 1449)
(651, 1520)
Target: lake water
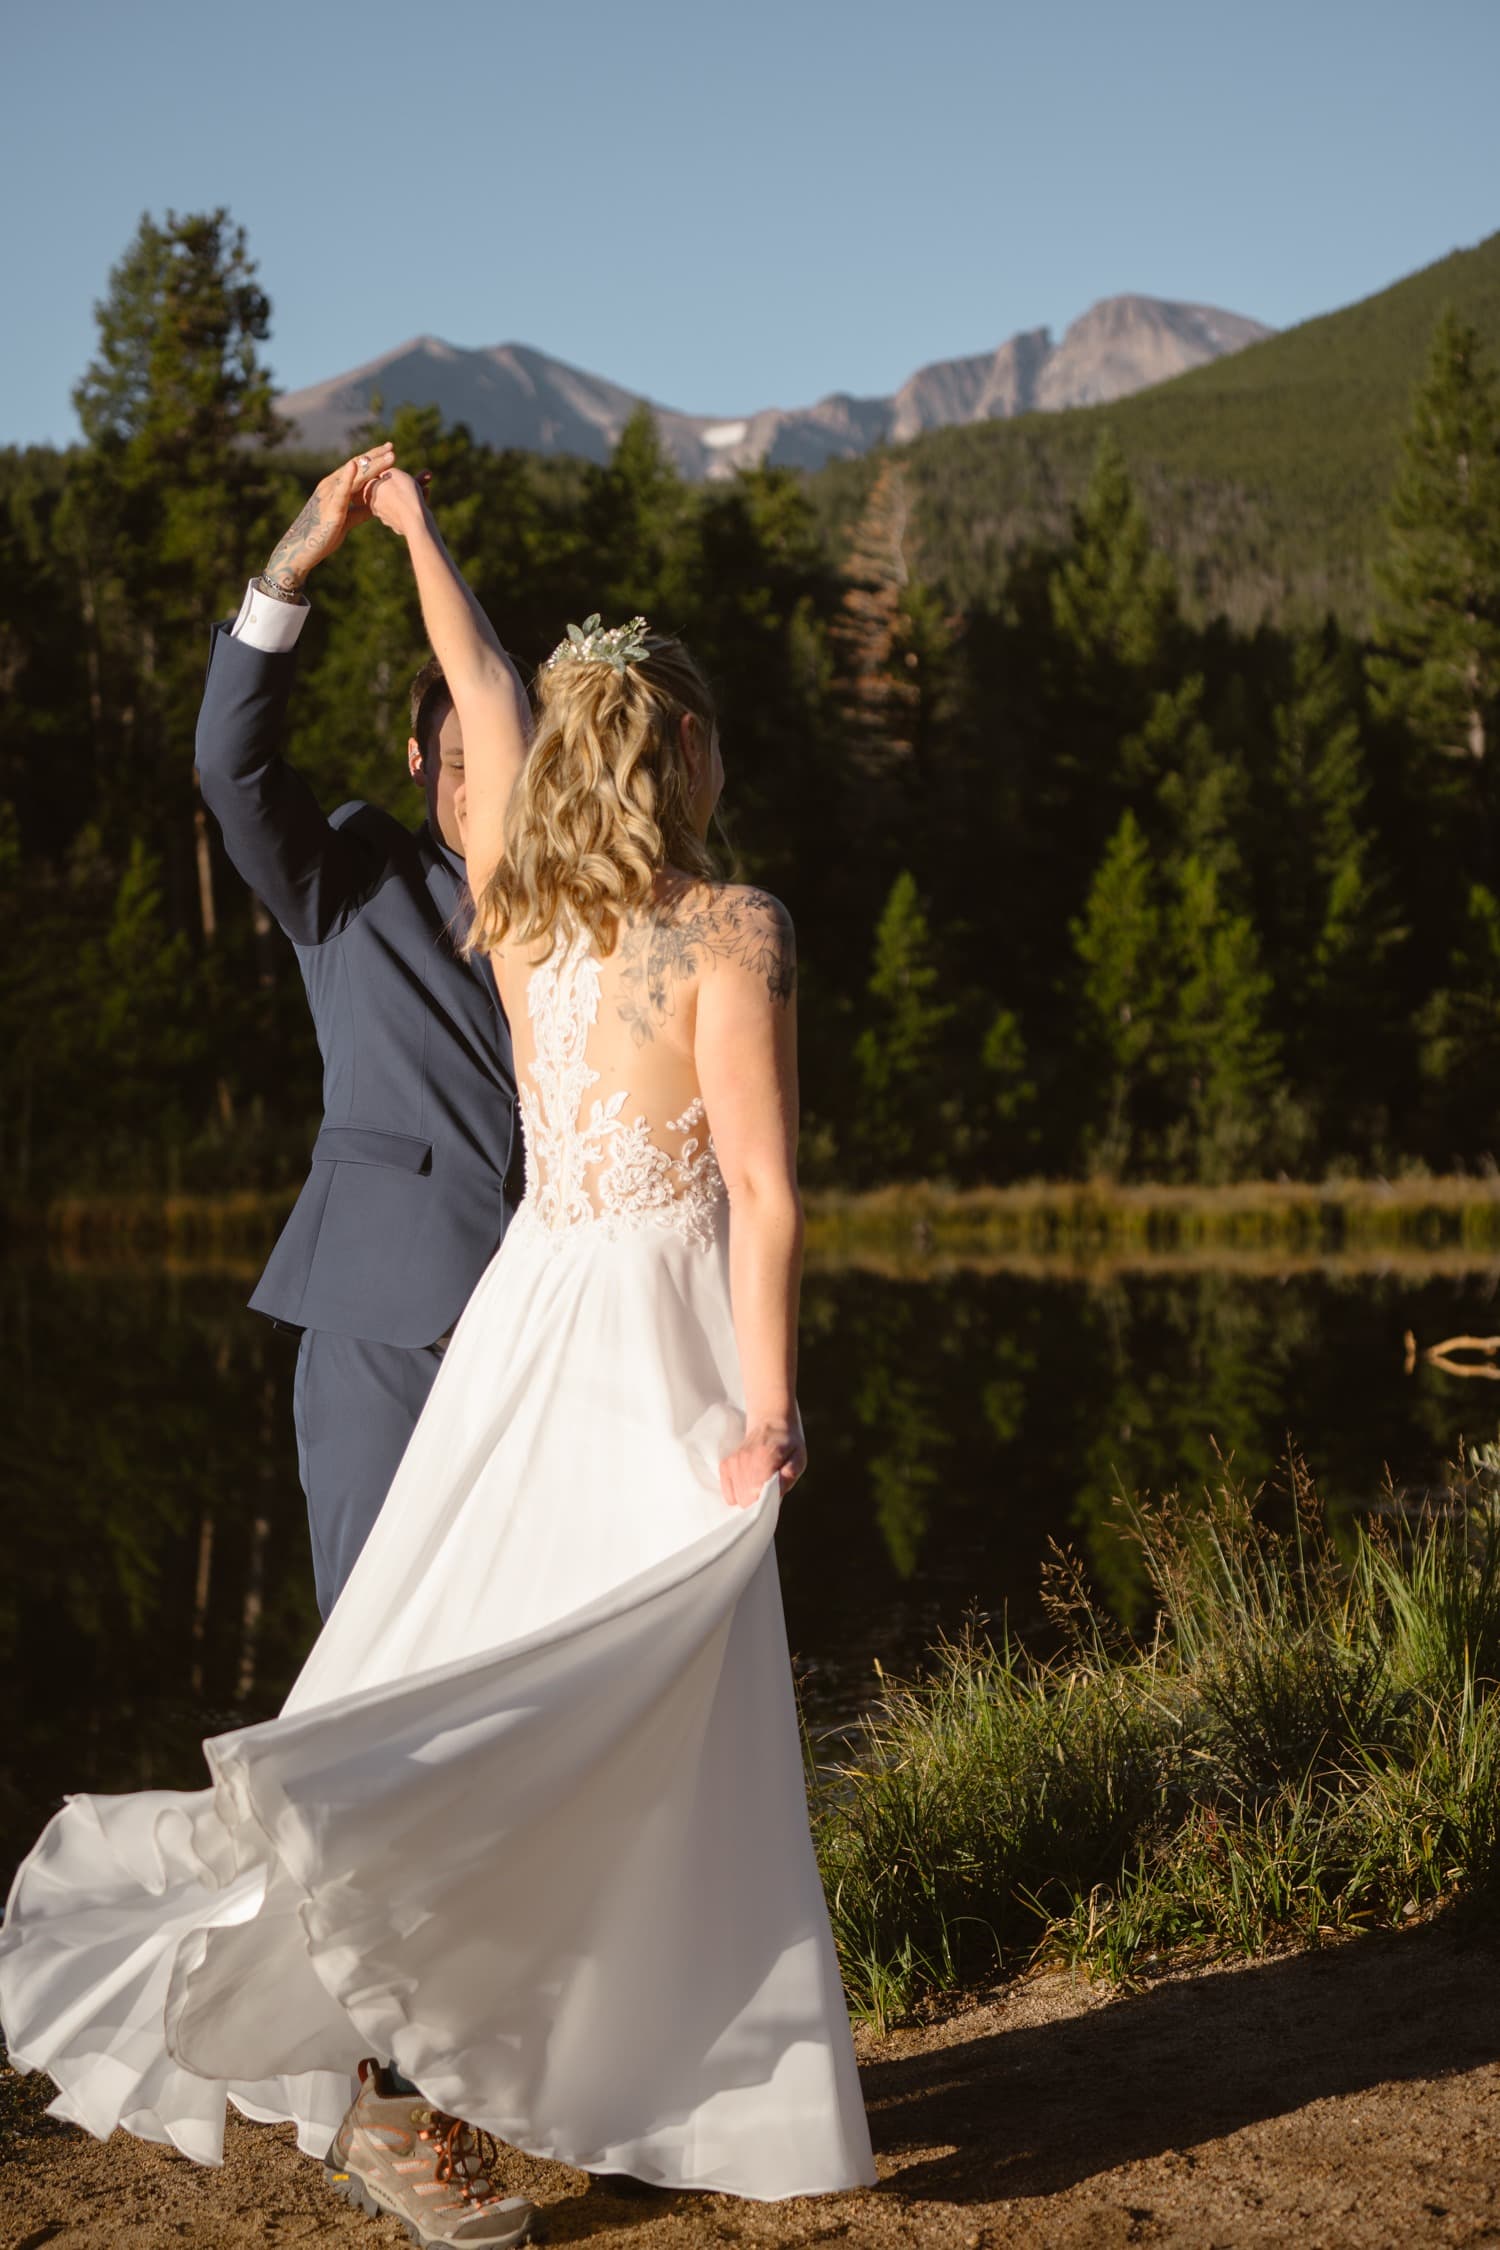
(155, 1582)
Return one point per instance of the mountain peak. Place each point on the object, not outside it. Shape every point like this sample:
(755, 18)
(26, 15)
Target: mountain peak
(514, 395)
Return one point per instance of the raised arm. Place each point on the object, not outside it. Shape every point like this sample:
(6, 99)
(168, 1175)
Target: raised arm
(488, 695)
(745, 1050)
(310, 874)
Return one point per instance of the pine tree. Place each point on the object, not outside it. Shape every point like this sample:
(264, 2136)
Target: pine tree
(1198, 790)
(760, 584)
(1118, 943)
(1330, 927)
(640, 510)
(154, 1044)
(47, 719)
(1011, 1093)
(1318, 794)
(1225, 1057)
(1113, 597)
(171, 496)
(1113, 715)
(177, 371)
(1438, 624)
(1459, 1031)
(897, 1056)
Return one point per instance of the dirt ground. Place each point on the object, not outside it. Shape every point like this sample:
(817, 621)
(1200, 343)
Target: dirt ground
(1335, 2101)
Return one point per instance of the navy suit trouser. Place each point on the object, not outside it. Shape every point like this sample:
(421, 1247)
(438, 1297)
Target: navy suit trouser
(355, 1405)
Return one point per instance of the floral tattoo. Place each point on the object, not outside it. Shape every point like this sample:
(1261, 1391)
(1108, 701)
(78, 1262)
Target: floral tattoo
(748, 927)
(299, 548)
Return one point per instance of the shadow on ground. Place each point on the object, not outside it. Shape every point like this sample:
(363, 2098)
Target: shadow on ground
(1034, 2109)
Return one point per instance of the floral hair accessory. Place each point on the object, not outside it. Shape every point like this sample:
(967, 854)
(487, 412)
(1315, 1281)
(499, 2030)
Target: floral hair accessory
(591, 643)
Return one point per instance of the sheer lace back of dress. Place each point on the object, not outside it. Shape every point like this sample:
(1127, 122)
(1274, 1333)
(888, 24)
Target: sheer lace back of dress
(590, 1160)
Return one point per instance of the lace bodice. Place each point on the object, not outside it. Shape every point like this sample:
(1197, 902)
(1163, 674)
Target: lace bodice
(602, 1169)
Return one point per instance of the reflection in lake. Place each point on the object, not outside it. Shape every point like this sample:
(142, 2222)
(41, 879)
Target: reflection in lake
(156, 1582)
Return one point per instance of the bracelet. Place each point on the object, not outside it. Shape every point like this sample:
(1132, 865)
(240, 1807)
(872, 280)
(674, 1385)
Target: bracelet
(264, 585)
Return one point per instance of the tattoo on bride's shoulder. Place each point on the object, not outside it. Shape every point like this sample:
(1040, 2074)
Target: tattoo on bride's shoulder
(749, 927)
(655, 957)
(757, 932)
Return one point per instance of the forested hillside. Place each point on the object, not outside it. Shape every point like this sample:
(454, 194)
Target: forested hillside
(1090, 875)
(1264, 476)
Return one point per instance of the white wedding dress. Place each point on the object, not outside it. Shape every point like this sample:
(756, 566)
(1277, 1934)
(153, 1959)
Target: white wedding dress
(532, 1822)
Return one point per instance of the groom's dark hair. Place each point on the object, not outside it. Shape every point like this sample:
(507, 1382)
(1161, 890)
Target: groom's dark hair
(431, 701)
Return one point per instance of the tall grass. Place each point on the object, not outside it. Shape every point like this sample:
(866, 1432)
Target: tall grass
(1307, 1743)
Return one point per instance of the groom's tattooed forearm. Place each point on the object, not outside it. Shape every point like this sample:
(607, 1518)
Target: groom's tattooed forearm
(747, 927)
(298, 548)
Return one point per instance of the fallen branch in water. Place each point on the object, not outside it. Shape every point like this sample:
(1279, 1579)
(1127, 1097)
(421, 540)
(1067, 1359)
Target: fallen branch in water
(1441, 1355)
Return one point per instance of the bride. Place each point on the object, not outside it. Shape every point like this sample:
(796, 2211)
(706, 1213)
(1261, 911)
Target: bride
(531, 1825)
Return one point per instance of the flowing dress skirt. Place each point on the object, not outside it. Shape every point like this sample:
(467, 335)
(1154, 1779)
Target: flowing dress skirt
(532, 1821)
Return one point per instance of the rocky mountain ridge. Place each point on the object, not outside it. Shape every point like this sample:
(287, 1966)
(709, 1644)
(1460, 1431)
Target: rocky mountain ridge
(513, 395)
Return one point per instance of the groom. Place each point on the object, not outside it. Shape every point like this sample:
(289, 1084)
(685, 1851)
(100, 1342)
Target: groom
(409, 1190)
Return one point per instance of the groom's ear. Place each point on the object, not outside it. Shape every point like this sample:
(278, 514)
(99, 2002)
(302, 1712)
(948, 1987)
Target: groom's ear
(414, 758)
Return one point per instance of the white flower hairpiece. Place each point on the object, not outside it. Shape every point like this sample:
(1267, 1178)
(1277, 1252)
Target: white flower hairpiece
(591, 643)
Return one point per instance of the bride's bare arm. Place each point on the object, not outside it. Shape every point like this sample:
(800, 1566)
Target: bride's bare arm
(492, 706)
(745, 1051)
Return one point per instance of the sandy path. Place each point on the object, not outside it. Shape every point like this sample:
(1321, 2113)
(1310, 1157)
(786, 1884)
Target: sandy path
(1348, 2100)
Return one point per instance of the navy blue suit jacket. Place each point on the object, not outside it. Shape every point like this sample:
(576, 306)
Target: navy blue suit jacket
(406, 1200)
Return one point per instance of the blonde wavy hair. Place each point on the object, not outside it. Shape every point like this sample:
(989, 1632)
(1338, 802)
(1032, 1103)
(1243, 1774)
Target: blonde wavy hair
(603, 802)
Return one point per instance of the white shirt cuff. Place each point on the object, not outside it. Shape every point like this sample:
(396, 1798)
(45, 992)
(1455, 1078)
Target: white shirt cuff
(268, 624)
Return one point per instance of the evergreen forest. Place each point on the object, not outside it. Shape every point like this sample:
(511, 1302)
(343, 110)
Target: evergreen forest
(1130, 774)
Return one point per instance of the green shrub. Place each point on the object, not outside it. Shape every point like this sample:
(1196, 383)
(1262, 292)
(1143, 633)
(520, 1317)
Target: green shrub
(1308, 1745)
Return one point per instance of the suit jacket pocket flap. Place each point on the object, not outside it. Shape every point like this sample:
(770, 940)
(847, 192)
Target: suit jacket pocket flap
(364, 1144)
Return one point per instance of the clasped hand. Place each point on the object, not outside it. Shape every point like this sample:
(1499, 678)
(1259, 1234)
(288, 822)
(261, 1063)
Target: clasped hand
(366, 485)
(398, 500)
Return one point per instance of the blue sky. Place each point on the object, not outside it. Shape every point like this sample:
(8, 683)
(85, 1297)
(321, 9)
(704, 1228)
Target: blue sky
(733, 207)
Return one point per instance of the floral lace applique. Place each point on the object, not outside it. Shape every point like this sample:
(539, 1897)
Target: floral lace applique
(605, 1171)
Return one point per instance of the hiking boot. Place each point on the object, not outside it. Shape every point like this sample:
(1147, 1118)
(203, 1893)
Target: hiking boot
(396, 2157)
